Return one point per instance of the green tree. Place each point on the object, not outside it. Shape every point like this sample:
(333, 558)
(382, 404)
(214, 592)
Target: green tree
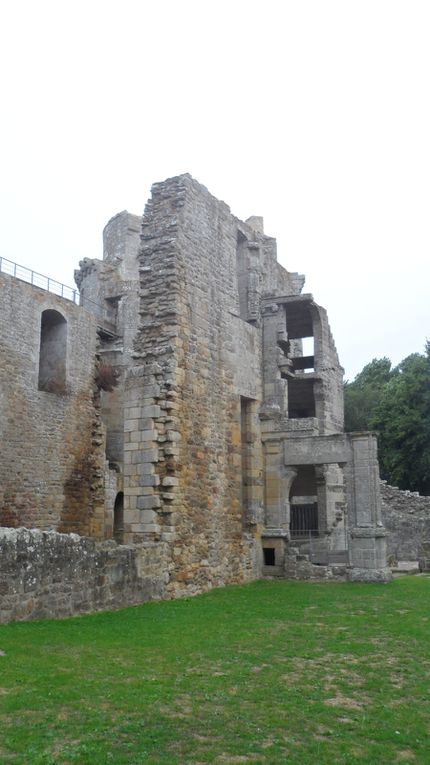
(402, 418)
(363, 395)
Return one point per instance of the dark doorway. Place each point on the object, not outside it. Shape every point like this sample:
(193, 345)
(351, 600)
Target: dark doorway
(269, 556)
(53, 352)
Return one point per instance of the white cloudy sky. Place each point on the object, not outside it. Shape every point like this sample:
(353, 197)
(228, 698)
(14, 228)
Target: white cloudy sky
(312, 113)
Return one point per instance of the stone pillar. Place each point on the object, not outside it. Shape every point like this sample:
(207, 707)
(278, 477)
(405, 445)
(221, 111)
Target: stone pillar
(331, 505)
(278, 484)
(320, 474)
(368, 551)
(279, 478)
(254, 282)
(274, 388)
(252, 464)
(141, 496)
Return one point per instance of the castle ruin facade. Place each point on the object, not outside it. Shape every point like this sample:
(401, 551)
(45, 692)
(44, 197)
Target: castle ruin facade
(186, 417)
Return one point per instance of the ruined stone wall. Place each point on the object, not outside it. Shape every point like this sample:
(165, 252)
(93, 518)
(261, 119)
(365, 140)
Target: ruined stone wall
(178, 313)
(181, 455)
(108, 287)
(275, 279)
(330, 388)
(52, 461)
(196, 380)
(110, 290)
(316, 386)
(406, 517)
(194, 393)
(220, 360)
(45, 575)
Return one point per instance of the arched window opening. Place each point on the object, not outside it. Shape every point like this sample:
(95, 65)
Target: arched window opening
(53, 352)
(118, 518)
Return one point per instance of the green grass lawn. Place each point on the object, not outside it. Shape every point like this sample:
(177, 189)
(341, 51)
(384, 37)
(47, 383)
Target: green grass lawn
(272, 672)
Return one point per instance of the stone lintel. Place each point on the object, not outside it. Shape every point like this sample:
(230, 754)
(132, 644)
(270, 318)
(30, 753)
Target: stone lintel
(317, 450)
(368, 532)
(278, 533)
(283, 299)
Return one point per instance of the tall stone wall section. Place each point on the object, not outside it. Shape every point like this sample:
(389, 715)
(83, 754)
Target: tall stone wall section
(111, 287)
(218, 351)
(406, 517)
(330, 387)
(52, 461)
(194, 359)
(45, 575)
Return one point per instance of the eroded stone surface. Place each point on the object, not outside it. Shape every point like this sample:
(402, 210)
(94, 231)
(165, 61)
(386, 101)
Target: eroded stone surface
(406, 517)
(47, 574)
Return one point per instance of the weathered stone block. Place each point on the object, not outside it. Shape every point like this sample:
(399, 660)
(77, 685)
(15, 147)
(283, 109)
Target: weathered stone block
(151, 411)
(150, 501)
(170, 481)
(148, 455)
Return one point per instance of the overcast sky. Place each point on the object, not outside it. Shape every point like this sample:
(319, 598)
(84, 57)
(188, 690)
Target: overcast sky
(313, 114)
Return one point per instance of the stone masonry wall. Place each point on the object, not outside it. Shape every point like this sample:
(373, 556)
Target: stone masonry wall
(193, 465)
(217, 349)
(111, 288)
(45, 575)
(406, 517)
(183, 450)
(330, 389)
(51, 470)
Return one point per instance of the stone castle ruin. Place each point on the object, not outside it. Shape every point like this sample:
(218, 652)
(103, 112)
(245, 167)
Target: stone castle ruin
(181, 427)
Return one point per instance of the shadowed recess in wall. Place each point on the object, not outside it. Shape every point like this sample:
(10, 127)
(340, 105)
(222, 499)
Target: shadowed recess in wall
(53, 352)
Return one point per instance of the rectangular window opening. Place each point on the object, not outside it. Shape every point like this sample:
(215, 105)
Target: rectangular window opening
(308, 346)
(301, 399)
(269, 556)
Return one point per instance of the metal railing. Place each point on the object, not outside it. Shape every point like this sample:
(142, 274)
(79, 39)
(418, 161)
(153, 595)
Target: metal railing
(315, 546)
(56, 288)
(38, 280)
(304, 520)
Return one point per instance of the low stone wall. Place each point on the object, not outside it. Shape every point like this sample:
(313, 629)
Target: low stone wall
(406, 517)
(46, 575)
(298, 566)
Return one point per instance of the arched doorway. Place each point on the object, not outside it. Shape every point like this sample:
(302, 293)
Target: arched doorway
(53, 352)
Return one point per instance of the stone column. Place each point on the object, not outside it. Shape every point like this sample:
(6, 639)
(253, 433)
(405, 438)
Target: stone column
(331, 505)
(141, 496)
(252, 466)
(254, 282)
(274, 388)
(278, 478)
(320, 474)
(278, 484)
(368, 550)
